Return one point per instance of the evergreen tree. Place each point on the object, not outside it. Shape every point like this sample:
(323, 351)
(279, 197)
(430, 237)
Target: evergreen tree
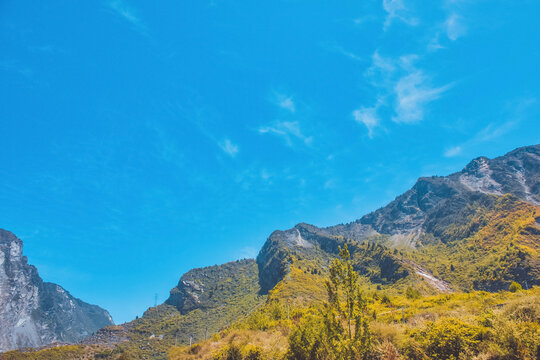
(341, 330)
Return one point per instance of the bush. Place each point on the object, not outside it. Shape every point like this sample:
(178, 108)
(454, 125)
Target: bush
(412, 293)
(449, 338)
(231, 352)
(252, 353)
(514, 287)
(305, 341)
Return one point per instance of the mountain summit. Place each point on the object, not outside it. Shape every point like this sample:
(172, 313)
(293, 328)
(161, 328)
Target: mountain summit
(35, 313)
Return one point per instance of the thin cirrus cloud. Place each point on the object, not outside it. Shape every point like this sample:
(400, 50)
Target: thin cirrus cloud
(285, 102)
(413, 93)
(515, 112)
(126, 12)
(228, 147)
(396, 9)
(454, 27)
(453, 151)
(289, 131)
(368, 117)
(404, 90)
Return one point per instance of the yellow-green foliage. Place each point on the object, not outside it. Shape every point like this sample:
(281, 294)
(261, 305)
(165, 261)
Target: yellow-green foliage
(248, 344)
(65, 352)
(484, 325)
(500, 245)
(448, 338)
(301, 286)
(514, 286)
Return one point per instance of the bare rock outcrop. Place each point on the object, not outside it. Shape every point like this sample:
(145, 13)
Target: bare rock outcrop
(35, 313)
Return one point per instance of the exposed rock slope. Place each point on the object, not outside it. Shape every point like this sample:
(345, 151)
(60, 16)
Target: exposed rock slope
(34, 312)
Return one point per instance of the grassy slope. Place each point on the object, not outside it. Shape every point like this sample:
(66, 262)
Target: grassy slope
(509, 322)
(231, 293)
(505, 323)
(492, 248)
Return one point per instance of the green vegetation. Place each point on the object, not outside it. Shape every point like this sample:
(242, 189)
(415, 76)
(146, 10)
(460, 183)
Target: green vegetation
(476, 325)
(340, 330)
(490, 247)
(65, 352)
(228, 293)
(341, 299)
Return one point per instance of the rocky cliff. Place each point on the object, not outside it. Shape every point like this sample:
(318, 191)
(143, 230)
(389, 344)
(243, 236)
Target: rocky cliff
(35, 313)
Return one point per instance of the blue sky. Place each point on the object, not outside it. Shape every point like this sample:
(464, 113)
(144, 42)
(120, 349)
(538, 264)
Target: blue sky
(142, 139)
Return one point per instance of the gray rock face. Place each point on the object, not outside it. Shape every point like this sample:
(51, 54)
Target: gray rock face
(516, 173)
(35, 313)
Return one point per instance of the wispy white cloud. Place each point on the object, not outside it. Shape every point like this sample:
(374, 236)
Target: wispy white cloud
(368, 117)
(518, 110)
(228, 147)
(412, 94)
(340, 50)
(287, 104)
(396, 9)
(284, 101)
(123, 10)
(15, 67)
(381, 64)
(515, 112)
(435, 43)
(404, 89)
(454, 26)
(453, 151)
(287, 130)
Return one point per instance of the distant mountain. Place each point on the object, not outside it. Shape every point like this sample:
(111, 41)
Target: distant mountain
(35, 313)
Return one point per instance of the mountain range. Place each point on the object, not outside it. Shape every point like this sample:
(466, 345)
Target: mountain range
(476, 229)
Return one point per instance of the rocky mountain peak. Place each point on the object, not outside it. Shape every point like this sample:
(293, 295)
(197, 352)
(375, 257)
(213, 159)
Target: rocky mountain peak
(515, 173)
(35, 313)
(428, 208)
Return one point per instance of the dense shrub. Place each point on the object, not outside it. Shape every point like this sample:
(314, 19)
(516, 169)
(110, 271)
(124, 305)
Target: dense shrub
(514, 286)
(449, 339)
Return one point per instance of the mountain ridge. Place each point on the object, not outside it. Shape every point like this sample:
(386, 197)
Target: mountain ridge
(429, 204)
(475, 229)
